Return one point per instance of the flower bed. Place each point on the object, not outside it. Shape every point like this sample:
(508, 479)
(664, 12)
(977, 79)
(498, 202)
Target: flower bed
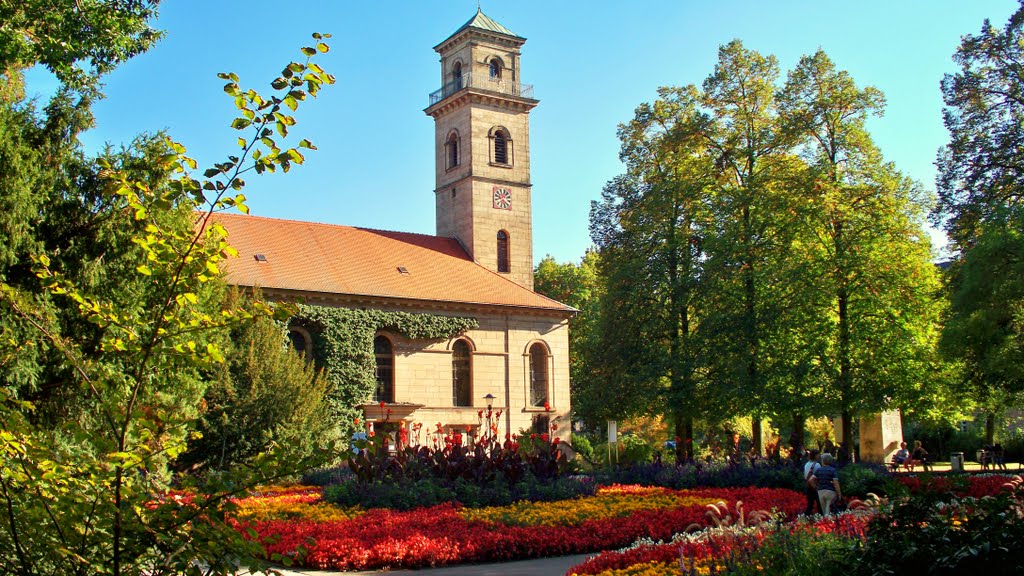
(450, 534)
(975, 485)
(300, 502)
(710, 551)
(959, 523)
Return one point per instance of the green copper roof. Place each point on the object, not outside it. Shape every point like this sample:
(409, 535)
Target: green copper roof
(481, 21)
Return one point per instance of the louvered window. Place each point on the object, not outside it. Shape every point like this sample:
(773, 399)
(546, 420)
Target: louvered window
(500, 147)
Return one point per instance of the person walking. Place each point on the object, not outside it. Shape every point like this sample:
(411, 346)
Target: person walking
(826, 481)
(810, 467)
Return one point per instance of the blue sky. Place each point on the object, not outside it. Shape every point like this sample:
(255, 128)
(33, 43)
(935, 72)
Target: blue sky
(591, 64)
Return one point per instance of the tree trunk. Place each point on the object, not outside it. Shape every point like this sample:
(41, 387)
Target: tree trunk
(684, 438)
(755, 431)
(798, 433)
(847, 430)
(990, 429)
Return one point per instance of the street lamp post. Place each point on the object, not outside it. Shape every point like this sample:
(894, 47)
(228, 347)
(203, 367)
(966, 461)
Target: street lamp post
(489, 399)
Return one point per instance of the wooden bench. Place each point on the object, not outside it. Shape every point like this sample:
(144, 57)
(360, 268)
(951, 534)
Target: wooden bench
(924, 464)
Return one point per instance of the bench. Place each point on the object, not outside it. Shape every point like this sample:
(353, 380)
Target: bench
(908, 464)
(924, 464)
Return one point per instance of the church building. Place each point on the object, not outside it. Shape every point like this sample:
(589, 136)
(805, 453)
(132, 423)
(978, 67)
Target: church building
(479, 265)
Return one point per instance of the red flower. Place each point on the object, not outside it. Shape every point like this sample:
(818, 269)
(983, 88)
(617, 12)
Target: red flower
(544, 437)
(356, 421)
(547, 407)
(480, 414)
(382, 404)
(554, 427)
(533, 436)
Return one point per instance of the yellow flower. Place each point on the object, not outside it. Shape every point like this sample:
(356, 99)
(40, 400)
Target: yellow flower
(301, 502)
(608, 503)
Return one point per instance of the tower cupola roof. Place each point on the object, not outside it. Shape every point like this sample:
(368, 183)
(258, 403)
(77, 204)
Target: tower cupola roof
(481, 21)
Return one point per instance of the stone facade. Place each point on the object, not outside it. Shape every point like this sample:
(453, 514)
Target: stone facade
(500, 366)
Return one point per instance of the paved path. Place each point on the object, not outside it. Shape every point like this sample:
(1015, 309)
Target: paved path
(540, 567)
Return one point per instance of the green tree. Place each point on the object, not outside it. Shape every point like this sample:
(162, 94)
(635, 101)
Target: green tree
(79, 42)
(980, 182)
(264, 394)
(579, 286)
(78, 493)
(648, 227)
(753, 217)
(863, 255)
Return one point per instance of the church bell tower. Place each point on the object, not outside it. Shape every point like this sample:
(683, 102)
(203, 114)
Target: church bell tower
(482, 148)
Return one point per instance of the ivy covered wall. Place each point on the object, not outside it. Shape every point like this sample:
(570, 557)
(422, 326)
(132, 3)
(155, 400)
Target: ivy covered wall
(343, 347)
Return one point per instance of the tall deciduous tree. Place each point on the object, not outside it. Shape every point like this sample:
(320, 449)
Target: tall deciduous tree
(981, 185)
(863, 240)
(753, 217)
(649, 228)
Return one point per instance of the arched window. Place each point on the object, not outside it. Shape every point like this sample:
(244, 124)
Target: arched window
(495, 69)
(300, 342)
(538, 375)
(462, 383)
(501, 147)
(457, 76)
(504, 264)
(451, 147)
(384, 355)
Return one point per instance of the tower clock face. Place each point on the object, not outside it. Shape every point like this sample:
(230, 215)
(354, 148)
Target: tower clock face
(502, 198)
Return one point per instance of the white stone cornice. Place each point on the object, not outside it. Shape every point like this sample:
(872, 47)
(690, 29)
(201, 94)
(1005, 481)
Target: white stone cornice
(477, 96)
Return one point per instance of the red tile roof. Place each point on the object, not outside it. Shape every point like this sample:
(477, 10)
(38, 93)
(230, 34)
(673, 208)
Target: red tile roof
(313, 257)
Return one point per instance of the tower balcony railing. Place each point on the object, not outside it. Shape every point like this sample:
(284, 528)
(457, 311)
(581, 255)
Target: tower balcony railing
(484, 82)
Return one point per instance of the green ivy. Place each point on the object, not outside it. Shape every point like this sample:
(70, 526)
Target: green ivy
(343, 347)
